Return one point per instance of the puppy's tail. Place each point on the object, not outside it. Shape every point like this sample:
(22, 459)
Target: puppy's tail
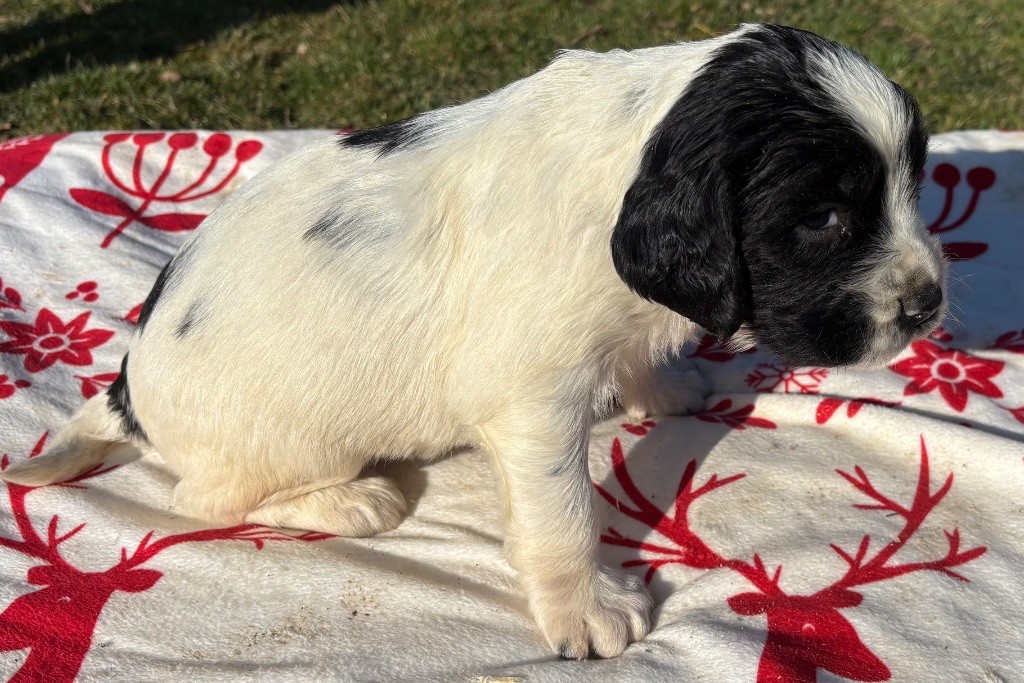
(84, 443)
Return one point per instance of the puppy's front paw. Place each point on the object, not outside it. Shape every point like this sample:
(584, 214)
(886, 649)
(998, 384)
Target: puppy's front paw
(610, 610)
(676, 389)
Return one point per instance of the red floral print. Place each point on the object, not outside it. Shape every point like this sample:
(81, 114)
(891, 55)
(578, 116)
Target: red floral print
(50, 340)
(1012, 341)
(828, 407)
(952, 371)
(947, 176)
(97, 383)
(740, 418)
(132, 316)
(86, 290)
(214, 148)
(21, 156)
(639, 429)
(8, 386)
(10, 297)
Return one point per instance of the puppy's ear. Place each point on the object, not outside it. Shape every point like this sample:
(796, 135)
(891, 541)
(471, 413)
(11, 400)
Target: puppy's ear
(675, 242)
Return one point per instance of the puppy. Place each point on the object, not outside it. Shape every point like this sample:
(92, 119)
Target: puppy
(496, 273)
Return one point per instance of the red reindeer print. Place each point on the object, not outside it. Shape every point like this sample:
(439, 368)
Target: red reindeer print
(953, 372)
(768, 377)
(215, 148)
(96, 383)
(10, 298)
(805, 633)
(21, 156)
(947, 176)
(50, 340)
(828, 407)
(739, 418)
(712, 350)
(56, 622)
(9, 386)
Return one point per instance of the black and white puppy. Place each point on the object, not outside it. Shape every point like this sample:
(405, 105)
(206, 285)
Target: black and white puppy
(497, 273)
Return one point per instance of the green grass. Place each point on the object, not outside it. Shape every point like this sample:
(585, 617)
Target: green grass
(127, 64)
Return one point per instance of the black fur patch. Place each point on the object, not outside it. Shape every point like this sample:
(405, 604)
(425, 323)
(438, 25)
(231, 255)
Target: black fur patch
(390, 137)
(168, 275)
(154, 294)
(189, 320)
(713, 225)
(120, 402)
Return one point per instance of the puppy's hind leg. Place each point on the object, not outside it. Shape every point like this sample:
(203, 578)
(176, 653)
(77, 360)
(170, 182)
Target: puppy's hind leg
(361, 507)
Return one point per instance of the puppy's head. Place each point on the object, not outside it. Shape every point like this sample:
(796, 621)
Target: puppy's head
(780, 194)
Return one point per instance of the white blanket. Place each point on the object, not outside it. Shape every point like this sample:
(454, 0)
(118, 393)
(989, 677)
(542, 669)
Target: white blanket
(810, 525)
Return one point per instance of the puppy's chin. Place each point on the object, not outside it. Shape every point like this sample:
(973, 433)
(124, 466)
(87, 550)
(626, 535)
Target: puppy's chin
(879, 348)
(888, 347)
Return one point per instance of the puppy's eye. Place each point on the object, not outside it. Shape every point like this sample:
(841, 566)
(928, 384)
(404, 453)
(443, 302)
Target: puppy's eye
(822, 221)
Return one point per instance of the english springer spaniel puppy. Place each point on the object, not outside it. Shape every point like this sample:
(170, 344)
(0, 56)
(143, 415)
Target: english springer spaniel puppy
(498, 273)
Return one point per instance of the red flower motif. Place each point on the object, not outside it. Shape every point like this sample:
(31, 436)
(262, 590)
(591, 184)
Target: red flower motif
(737, 419)
(7, 387)
(49, 340)
(639, 429)
(953, 372)
(828, 407)
(97, 383)
(10, 297)
(132, 316)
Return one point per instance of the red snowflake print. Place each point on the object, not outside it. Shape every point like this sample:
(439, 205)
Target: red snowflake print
(712, 350)
(953, 372)
(9, 386)
(86, 290)
(56, 621)
(941, 334)
(738, 419)
(947, 176)
(97, 383)
(10, 298)
(828, 407)
(215, 148)
(805, 633)
(767, 377)
(21, 156)
(50, 340)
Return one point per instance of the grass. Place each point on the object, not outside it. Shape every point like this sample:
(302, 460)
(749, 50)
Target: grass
(129, 64)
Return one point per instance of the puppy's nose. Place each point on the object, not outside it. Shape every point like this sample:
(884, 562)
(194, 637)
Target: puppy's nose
(919, 307)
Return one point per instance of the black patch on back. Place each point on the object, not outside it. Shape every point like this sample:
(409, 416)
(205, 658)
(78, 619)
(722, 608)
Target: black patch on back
(167, 277)
(190, 318)
(341, 232)
(390, 137)
(119, 401)
(154, 294)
